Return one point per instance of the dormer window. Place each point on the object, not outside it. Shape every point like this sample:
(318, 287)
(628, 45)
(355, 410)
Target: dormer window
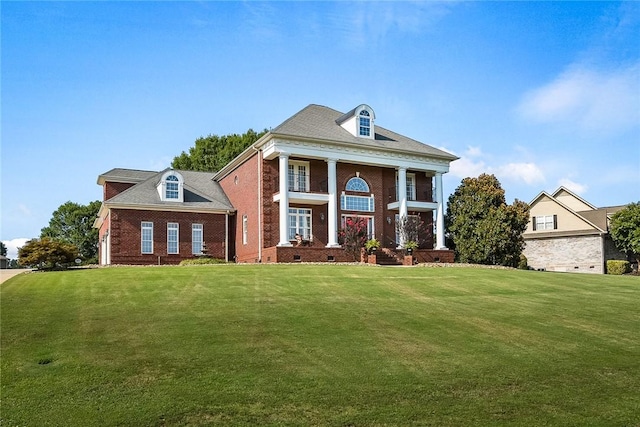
(364, 128)
(171, 187)
(359, 122)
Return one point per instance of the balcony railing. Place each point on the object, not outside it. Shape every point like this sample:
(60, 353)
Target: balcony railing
(422, 196)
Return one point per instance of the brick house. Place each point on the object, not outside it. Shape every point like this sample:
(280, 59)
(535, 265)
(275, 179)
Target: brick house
(567, 233)
(283, 199)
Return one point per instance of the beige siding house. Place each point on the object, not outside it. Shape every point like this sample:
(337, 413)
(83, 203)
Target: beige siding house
(567, 233)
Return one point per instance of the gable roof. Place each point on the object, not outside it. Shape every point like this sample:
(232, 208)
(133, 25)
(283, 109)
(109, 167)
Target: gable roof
(322, 123)
(200, 192)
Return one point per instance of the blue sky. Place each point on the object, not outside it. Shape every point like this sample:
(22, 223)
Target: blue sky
(541, 94)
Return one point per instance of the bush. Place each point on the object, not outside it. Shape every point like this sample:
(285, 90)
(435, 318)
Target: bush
(618, 267)
(202, 261)
(47, 254)
(523, 264)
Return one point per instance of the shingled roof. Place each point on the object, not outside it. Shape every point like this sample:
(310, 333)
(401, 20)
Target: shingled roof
(200, 191)
(321, 123)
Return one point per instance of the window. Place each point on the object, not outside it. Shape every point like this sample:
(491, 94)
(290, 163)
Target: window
(298, 178)
(299, 223)
(545, 222)
(147, 237)
(172, 187)
(357, 203)
(357, 184)
(172, 238)
(364, 123)
(411, 186)
(367, 219)
(196, 239)
(244, 230)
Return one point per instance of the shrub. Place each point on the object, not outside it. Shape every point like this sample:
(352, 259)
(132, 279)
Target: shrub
(47, 253)
(372, 244)
(523, 264)
(617, 267)
(202, 261)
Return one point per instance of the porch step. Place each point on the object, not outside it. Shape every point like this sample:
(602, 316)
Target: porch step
(383, 258)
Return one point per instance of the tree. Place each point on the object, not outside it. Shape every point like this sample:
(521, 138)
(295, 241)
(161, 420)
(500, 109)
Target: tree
(411, 228)
(3, 249)
(47, 253)
(353, 236)
(211, 153)
(73, 223)
(625, 230)
(482, 227)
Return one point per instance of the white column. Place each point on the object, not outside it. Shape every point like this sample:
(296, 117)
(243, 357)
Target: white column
(439, 213)
(283, 176)
(332, 207)
(402, 198)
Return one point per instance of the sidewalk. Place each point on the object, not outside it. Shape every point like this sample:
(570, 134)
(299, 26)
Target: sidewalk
(8, 273)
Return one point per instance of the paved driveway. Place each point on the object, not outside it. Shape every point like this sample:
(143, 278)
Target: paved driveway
(8, 273)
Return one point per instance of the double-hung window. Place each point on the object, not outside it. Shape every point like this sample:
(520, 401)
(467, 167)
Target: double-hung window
(196, 239)
(298, 177)
(299, 223)
(146, 237)
(545, 222)
(172, 187)
(172, 238)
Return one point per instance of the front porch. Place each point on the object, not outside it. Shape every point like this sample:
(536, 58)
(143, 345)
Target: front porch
(277, 254)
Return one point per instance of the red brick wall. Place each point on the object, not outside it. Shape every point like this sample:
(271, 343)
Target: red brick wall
(126, 240)
(242, 189)
(111, 189)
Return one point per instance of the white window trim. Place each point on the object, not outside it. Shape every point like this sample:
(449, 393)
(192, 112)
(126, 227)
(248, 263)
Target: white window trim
(300, 213)
(411, 187)
(195, 229)
(371, 229)
(545, 222)
(170, 227)
(245, 231)
(162, 187)
(295, 164)
(148, 225)
(371, 205)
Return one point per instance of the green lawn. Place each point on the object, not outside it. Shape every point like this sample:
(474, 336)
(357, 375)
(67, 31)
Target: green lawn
(333, 345)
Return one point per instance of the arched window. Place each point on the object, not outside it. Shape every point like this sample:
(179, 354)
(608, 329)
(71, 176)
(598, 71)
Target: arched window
(357, 184)
(172, 187)
(364, 123)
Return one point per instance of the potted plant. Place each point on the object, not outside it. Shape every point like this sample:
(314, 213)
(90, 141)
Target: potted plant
(372, 245)
(410, 245)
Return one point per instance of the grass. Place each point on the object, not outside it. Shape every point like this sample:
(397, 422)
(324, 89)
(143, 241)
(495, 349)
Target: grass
(322, 345)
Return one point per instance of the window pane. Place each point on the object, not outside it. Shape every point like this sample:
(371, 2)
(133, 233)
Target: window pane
(196, 239)
(147, 237)
(172, 238)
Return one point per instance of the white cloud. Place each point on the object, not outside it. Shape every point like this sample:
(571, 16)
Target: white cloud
(471, 164)
(530, 173)
(13, 245)
(587, 99)
(24, 210)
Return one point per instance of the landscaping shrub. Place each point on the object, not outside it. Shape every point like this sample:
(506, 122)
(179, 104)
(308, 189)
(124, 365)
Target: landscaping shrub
(618, 267)
(523, 264)
(202, 261)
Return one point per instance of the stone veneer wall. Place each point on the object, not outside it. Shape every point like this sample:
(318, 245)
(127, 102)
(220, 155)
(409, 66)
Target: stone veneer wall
(578, 254)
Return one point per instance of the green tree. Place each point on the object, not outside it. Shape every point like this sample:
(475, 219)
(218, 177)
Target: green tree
(3, 249)
(47, 253)
(625, 230)
(73, 223)
(211, 153)
(482, 227)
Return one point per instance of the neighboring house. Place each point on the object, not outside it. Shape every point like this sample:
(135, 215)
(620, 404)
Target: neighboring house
(4, 262)
(567, 233)
(283, 199)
